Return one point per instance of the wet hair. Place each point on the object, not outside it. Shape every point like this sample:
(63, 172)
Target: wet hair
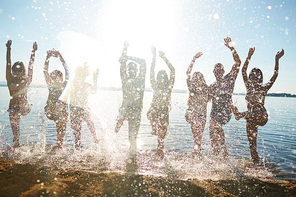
(256, 70)
(201, 78)
(132, 66)
(56, 74)
(19, 66)
(162, 74)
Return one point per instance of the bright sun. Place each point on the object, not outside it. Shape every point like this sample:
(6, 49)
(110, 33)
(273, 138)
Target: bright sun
(143, 23)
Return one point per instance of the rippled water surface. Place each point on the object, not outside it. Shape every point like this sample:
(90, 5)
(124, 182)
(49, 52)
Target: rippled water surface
(276, 140)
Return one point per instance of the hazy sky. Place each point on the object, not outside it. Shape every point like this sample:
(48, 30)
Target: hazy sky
(95, 30)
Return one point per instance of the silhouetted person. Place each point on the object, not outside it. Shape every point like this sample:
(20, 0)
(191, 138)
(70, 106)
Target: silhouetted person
(133, 86)
(56, 109)
(221, 94)
(160, 107)
(196, 113)
(255, 98)
(79, 110)
(18, 82)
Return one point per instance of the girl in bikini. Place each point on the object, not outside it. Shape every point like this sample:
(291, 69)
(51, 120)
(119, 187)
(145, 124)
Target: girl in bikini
(255, 98)
(158, 113)
(197, 104)
(56, 109)
(18, 82)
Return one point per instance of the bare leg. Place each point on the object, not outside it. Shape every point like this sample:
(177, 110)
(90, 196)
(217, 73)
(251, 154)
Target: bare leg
(91, 127)
(15, 121)
(162, 130)
(61, 131)
(76, 127)
(197, 128)
(133, 129)
(214, 135)
(252, 130)
(151, 117)
(223, 143)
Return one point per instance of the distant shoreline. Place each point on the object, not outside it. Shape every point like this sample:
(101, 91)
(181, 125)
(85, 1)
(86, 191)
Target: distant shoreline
(3, 84)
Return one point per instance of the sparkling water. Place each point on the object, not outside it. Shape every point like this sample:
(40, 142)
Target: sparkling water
(276, 140)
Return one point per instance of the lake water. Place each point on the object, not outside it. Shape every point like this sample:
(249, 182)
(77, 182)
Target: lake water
(276, 140)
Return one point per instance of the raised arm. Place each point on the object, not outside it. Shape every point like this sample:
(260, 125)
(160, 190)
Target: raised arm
(278, 56)
(172, 69)
(152, 69)
(59, 55)
(122, 61)
(45, 69)
(245, 67)
(95, 79)
(237, 62)
(8, 62)
(32, 59)
(188, 73)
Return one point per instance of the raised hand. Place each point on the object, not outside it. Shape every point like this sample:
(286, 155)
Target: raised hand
(161, 54)
(197, 55)
(35, 46)
(9, 43)
(96, 74)
(251, 51)
(228, 42)
(153, 50)
(49, 53)
(279, 54)
(126, 44)
(55, 53)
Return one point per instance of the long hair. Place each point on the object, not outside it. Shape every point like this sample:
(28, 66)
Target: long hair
(56, 74)
(19, 66)
(199, 76)
(162, 79)
(256, 70)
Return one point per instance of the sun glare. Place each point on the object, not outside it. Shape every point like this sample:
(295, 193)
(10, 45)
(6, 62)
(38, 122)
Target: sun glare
(143, 23)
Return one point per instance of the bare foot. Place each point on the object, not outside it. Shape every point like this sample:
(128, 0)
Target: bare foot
(160, 154)
(234, 111)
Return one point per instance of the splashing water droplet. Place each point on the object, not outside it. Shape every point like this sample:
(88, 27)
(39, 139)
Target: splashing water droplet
(286, 31)
(286, 18)
(269, 7)
(216, 16)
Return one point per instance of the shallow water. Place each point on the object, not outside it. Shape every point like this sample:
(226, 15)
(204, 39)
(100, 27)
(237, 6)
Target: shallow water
(276, 141)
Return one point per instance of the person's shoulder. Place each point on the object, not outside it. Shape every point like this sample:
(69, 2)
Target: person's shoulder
(212, 84)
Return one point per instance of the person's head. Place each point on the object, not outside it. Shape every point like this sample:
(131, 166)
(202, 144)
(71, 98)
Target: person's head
(218, 71)
(162, 78)
(256, 75)
(56, 76)
(18, 69)
(82, 72)
(198, 79)
(132, 70)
